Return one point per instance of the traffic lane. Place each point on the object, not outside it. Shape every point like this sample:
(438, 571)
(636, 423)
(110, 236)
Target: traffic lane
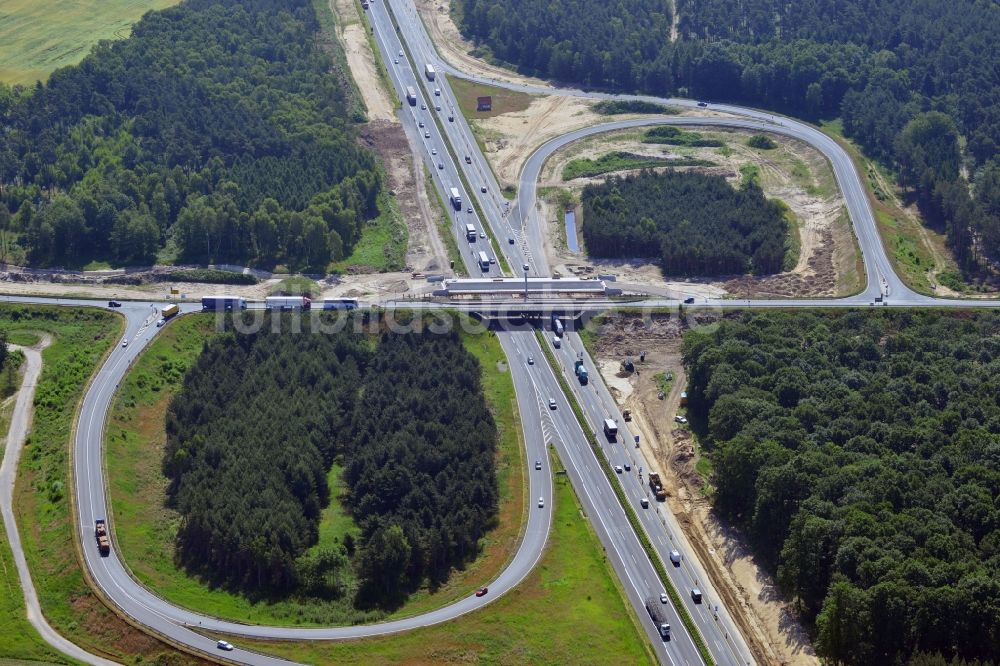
(720, 632)
(624, 449)
(606, 515)
(429, 140)
(461, 138)
(432, 141)
(138, 332)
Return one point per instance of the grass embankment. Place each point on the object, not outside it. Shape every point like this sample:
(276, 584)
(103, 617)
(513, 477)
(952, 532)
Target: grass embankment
(328, 41)
(674, 136)
(382, 246)
(633, 518)
(80, 339)
(443, 222)
(615, 107)
(503, 101)
(620, 161)
(569, 610)
(18, 639)
(296, 285)
(39, 36)
(213, 276)
(793, 237)
(145, 528)
(919, 255)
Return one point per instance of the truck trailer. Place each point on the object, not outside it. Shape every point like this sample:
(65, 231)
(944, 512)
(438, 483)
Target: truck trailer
(610, 429)
(101, 534)
(655, 609)
(287, 303)
(470, 232)
(223, 303)
(657, 487)
(456, 199)
(429, 72)
(169, 311)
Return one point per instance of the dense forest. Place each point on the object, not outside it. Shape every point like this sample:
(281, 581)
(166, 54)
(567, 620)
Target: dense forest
(421, 462)
(860, 452)
(262, 417)
(907, 77)
(698, 224)
(216, 130)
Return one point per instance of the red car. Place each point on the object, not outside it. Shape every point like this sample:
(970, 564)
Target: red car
(481, 592)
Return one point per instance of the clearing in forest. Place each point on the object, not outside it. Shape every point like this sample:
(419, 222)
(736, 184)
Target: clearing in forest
(39, 36)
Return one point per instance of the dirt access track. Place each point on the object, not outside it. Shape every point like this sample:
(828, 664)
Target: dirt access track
(768, 623)
(792, 172)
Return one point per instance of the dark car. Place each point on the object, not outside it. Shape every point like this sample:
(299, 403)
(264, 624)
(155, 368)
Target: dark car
(114, 304)
(481, 592)
(689, 300)
(703, 104)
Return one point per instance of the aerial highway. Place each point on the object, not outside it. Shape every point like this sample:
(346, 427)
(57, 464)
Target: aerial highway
(443, 145)
(726, 645)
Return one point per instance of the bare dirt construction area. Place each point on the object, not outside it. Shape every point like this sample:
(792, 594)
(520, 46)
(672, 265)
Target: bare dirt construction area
(351, 31)
(767, 622)
(425, 251)
(457, 50)
(827, 262)
(106, 285)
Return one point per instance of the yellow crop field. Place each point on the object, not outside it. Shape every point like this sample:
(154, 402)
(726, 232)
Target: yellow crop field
(38, 36)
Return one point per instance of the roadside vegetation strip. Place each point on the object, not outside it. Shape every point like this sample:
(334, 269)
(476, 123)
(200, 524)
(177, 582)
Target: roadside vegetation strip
(20, 639)
(383, 242)
(612, 107)
(81, 337)
(146, 529)
(443, 223)
(917, 252)
(569, 610)
(327, 39)
(212, 276)
(621, 161)
(296, 285)
(633, 518)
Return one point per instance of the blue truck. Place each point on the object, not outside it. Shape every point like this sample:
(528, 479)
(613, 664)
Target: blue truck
(223, 303)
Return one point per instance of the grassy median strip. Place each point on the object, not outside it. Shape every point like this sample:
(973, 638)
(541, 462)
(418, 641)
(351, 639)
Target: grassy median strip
(633, 518)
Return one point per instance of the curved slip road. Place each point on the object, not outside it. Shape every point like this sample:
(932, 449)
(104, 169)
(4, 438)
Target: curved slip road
(20, 425)
(177, 624)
